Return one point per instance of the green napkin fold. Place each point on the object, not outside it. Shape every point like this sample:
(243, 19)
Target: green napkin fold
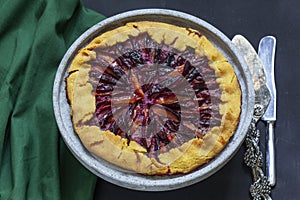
(34, 161)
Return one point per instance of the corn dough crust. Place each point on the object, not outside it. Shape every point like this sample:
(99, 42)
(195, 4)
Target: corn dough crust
(132, 156)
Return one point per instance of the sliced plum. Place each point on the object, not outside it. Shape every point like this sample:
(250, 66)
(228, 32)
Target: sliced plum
(142, 90)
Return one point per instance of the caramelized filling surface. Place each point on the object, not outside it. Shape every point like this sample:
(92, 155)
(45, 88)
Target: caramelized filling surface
(153, 94)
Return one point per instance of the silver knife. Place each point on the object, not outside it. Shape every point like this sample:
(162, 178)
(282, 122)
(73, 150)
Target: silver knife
(260, 189)
(262, 93)
(266, 52)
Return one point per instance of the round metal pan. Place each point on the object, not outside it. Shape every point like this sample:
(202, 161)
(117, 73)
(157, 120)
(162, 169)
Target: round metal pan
(136, 181)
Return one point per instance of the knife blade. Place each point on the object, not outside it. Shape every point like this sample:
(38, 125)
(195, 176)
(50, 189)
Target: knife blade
(262, 93)
(266, 52)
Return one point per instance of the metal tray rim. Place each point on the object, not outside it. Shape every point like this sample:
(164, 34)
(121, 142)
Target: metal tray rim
(133, 180)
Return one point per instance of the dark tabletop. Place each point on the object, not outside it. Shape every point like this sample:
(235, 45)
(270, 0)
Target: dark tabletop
(253, 19)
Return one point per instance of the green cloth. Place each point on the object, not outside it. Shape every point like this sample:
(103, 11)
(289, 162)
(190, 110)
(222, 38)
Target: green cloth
(34, 161)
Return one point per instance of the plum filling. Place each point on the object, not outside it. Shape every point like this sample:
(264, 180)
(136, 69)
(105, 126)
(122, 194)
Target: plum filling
(154, 94)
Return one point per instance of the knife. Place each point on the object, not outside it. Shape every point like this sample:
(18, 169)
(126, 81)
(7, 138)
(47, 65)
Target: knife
(260, 189)
(266, 52)
(262, 92)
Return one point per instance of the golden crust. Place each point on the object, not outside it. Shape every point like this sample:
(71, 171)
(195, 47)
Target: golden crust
(132, 156)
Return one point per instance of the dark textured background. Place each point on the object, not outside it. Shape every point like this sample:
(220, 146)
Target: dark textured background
(253, 19)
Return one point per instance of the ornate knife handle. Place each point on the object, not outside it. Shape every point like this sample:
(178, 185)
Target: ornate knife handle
(260, 188)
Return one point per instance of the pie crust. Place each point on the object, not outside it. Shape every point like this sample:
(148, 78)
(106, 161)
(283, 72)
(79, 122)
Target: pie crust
(129, 154)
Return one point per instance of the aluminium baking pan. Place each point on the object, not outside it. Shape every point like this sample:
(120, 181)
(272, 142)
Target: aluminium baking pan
(136, 181)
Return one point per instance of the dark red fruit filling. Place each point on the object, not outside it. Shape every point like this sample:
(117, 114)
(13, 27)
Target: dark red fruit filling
(154, 94)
